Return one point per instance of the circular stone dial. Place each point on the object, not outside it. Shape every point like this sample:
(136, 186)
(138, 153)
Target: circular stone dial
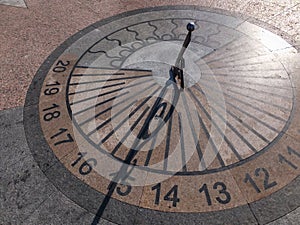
(229, 138)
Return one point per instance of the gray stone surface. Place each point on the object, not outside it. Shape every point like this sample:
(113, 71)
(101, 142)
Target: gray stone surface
(59, 210)
(238, 216)
(26, 195)
(23, 187)
(87, 197)
(294, 216)
(281, 221)
(12, 138)
(268, 209)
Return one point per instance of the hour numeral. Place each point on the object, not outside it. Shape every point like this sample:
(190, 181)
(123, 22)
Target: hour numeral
(51, 91)
(87, 166)
(61, 66)
(267, 184)
(172, 195)
(51, 115)
(223, 192)
(62, 131)
(125, 190)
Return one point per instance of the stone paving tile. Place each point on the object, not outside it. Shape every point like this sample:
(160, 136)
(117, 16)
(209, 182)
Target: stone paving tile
(59, 210)
(12, 138)
(11, 119)
(23, 188)
(281, 221)
(238, 216)
(289, 198)
(294, 216)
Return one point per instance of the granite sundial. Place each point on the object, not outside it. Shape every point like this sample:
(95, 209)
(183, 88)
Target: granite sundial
(143, 113)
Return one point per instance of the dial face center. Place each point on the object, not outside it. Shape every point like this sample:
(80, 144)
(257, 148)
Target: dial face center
(159, 58)
(114, 118)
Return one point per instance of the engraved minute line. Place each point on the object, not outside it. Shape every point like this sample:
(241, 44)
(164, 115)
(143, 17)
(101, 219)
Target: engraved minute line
(228, 65)
(210, 140)
(244, 112)
(149, 154)
(127, 118)
(108, 120)
(101, 68)
(108, 80)
(183, 158)
(96, 96)
(196, 141)
(110, 92)
(235, 131)
(129, 131)
(98, 104)
(213, 55)
(251, 89)
(119, 103)
(97, 74)
(260, 100)
(243, 48)
(246, 69)
(239, 120)
(233, 149)
(223, 59)
(248, 104)
(106, 101)
(98, 88)
(252, 98)
(168, 140)
(245, 82)
(120, 112)
(271, 77)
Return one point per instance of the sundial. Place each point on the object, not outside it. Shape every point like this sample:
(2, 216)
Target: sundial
(171, 112)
